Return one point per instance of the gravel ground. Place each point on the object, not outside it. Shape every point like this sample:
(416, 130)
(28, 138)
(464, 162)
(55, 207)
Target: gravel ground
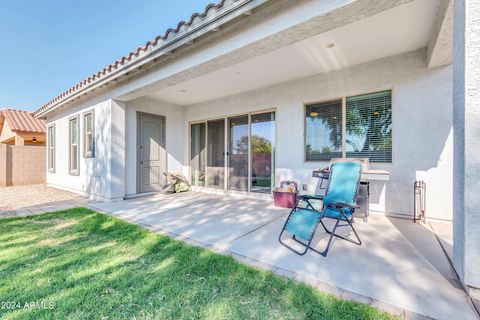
(14, 198)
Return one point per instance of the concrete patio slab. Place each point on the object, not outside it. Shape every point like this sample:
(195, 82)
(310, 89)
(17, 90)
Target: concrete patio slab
(44, 208)
(211, 219)
(387, 267)
(444, 232)
(399, 266)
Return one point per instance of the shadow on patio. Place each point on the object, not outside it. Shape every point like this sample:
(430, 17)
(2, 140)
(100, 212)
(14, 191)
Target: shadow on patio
(399, 264)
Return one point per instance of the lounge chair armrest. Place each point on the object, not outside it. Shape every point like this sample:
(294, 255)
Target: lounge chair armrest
(342, 205)
(311, 197)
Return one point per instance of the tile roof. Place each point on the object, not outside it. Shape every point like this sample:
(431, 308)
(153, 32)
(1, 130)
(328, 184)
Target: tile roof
(21, 120)
(160, 39)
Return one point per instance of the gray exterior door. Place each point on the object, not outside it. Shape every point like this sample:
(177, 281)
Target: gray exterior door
(152, 156)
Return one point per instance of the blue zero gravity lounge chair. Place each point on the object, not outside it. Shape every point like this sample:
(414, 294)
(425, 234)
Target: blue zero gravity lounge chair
(339, 203)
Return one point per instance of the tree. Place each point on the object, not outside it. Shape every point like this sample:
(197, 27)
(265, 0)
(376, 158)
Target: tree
(259, 145)
(373, 125)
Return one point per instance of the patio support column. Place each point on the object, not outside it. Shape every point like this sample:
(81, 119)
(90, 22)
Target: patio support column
(466, 131)
(117, 157)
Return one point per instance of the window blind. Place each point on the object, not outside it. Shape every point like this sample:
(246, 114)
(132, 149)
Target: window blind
(323, 131)
(369, 127)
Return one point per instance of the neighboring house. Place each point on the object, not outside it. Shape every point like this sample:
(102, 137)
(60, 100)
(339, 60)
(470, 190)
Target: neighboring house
(253, 92)
(20, 127)
(22, 148)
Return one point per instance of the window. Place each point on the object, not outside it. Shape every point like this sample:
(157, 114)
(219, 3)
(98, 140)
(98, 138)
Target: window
(74, 154)
(352, 127)
(323, 131)
(369, 127)
(88, 135)
(51, 148)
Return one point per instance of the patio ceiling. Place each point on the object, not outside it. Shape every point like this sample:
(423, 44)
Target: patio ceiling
(401, 29)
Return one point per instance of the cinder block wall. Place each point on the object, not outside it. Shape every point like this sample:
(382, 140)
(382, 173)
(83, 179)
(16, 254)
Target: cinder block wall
(22, 165)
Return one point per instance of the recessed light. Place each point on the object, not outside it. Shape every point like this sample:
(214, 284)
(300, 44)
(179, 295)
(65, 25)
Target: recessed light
(330, 45)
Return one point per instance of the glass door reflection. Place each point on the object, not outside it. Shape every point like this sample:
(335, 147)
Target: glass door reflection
(238, 153)
(262, 143)
(197, 154)
(216, 153)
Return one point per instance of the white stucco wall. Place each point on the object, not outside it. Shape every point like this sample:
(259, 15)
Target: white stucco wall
(101, 177)
(422, 122)
(112, 173)
(422, 133)
(175, 136)
(466, 106)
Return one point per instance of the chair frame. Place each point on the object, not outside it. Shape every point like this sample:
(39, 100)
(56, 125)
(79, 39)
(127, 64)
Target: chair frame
(306, 245)
(340, 207)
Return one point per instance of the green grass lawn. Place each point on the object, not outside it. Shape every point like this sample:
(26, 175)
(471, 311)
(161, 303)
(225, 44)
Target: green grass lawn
(78, 264)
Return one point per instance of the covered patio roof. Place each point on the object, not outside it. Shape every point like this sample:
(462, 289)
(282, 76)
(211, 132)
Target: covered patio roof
(336, 37)
(392, 32)
(400, 267)
(237, 46)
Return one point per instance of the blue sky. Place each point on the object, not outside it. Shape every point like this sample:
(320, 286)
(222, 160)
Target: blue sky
(48, 46)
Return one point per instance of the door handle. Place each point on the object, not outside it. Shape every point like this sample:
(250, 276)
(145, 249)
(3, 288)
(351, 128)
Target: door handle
(141, 162)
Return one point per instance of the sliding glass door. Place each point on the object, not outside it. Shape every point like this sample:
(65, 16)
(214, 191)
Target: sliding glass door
(238, 153)
(234, 153)
(197, 154)
(262, 144)
(216, 153)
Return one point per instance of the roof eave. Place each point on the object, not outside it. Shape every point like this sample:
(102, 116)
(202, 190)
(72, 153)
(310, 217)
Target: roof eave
(185, 37)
